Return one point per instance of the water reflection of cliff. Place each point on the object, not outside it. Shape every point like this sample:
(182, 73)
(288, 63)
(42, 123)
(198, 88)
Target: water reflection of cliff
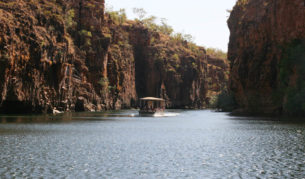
(36, 118)
(68, 117)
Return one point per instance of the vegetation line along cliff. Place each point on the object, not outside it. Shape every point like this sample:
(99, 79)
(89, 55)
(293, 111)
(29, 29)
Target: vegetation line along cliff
(71, 55)
(267, 55)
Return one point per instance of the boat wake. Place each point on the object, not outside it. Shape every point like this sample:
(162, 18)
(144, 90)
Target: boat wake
(166, 114)
(170, 114)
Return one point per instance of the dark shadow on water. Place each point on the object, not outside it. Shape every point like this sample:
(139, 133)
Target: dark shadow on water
(271, 118)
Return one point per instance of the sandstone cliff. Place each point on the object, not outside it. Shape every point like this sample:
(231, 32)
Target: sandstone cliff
(69, 55)
(267, 55)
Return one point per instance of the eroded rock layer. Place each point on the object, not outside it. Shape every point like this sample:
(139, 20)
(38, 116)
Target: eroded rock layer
(267, 55)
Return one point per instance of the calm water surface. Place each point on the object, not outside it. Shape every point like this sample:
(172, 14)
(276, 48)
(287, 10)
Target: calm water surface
(184, 144)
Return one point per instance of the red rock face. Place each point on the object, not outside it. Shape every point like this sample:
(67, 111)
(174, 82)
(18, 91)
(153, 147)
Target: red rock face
(41, 66)
(264, 37)
(68, 55)
(158, 74)
(173, 71)
(217, 75)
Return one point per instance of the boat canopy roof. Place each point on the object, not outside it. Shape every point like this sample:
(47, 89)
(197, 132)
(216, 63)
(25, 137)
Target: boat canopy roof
(151, 99)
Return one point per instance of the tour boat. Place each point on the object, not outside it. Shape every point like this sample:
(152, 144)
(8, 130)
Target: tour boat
(151, 106)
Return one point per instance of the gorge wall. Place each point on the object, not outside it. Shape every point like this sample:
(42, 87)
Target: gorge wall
(267, 55)
(70, 55)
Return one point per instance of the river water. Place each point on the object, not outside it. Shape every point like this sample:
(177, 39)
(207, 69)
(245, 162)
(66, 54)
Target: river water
(182, 144)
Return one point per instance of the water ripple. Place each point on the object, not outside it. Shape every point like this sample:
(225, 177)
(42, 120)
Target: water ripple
(193, 144)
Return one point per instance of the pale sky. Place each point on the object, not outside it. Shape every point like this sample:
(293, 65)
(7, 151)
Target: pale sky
(205, 20)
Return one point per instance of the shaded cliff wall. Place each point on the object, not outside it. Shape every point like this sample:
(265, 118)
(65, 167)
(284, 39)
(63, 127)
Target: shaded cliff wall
(267, 55)
(69, 55)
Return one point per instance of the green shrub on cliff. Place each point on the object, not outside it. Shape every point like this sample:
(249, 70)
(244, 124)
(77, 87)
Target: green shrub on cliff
(89, 5)
(175, 57)
(178, 37)
(85, 36)
(118, 17)
(104, 82)
(242, 2)
(216, 53)
(162, 27)
(69, 16)
(194, 65)
(165, 28)
(149, 22)
(196, 49)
